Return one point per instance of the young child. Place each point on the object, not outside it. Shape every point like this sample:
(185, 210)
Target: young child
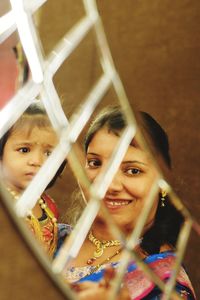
(23, 150)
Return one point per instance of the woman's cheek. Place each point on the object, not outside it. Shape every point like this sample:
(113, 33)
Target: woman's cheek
(92, 174)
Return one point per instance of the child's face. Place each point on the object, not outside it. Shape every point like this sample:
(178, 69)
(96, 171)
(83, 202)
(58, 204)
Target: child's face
(24, 153)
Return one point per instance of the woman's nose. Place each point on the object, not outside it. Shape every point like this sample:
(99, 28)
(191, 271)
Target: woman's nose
(116, 184)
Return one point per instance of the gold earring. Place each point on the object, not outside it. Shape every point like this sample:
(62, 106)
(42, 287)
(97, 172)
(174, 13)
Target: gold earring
(163, 198)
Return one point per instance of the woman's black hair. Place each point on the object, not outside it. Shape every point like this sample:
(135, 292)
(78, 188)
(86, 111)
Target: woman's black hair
(34, 110)
(168, 219)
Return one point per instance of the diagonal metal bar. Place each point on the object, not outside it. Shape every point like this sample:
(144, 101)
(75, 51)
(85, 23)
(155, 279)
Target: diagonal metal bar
(35, 247)
(28, 37)
(71, 247)
(51, 101)
(68, 43)
(30, 196)
(106, 59)
(33, 5)
(7, 26)
(181, 245)
(24, 97)
(84, 112)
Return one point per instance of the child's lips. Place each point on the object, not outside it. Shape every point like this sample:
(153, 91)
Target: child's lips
(30, 174)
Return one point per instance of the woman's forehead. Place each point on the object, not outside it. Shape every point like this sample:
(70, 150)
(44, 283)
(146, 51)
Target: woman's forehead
(105, 141)
(106, 132)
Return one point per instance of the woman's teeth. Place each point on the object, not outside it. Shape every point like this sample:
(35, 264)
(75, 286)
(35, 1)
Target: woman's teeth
(118, 203)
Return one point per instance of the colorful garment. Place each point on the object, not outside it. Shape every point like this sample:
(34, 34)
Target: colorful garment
(45, 228)
(138, 284)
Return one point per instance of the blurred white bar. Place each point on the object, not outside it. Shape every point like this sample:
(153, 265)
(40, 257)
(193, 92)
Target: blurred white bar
(134, 238)
(7, 22)
(151, 198)
(7, 26)
(80, 117)
(33, 5)
(102, 182)
(68, 44)
(28, 39)
(107, 61)
(37, 186)
(72, 245)
(91, 8)
(52, 104)
(17, 105)
(180, 246)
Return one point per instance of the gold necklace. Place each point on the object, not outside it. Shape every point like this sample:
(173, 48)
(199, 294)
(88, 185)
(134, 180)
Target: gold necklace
(105, 261)
(100, 246)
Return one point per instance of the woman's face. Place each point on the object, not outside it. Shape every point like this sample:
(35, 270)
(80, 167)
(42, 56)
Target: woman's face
(131, 185)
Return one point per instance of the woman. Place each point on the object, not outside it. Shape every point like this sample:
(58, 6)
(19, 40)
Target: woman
(125, 199)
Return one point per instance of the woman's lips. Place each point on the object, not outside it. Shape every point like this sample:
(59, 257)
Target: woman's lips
(116, 203)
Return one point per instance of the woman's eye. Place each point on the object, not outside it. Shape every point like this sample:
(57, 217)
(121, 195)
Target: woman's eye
(24, 150)
(133, 171)
(93, 163)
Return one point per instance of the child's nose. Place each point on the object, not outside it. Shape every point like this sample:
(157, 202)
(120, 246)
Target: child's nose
(36, 159)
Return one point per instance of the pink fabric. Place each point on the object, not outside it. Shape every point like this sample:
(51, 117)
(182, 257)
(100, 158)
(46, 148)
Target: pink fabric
(8, 75)
(139, 285)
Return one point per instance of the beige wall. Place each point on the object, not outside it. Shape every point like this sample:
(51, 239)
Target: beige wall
(156, 49)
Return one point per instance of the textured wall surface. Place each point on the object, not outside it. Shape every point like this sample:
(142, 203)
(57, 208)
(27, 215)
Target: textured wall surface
(156, 50)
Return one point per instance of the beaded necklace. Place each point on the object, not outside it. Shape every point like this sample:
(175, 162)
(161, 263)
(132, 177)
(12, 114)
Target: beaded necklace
(105, 261)
(45, 228)
(100, 246)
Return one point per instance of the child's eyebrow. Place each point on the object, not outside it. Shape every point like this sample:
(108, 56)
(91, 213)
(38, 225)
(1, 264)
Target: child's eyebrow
(23, 143)
(49, 145)
(34, 143)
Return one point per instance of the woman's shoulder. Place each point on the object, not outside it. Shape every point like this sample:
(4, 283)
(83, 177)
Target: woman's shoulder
(64, 230)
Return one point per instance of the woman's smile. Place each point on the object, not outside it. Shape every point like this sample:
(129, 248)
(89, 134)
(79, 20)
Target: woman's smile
(113, 204)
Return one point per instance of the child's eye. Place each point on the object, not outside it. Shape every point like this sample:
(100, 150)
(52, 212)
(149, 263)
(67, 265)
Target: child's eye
(93, 163)
(133, 171)
(47, 152)
(24, 150)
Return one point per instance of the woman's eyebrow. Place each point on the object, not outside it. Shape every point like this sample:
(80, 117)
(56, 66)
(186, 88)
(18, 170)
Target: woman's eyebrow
(133, 162)
(92, 153)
